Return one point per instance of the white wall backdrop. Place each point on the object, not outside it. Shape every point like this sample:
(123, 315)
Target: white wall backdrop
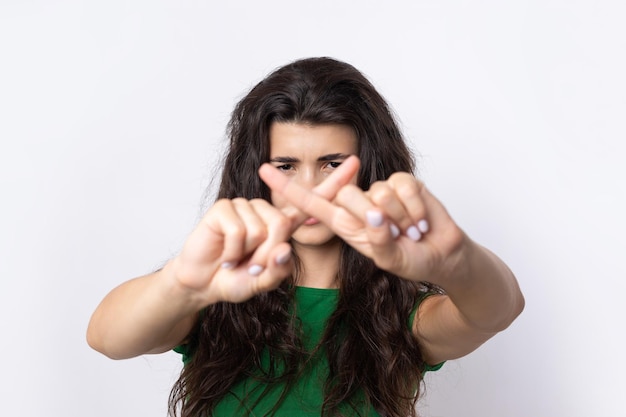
(112, 115)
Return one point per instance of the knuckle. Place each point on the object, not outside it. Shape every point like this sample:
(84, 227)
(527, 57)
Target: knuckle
(221, 204)
(256, 235)
(222, 201)
(236, 231)
(376, 185)
(401, 176)
(382, 196)
(281, 222)
(258, 201)
(407, 191)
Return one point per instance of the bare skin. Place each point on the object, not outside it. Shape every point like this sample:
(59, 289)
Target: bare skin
(240, 249)
(237, 250)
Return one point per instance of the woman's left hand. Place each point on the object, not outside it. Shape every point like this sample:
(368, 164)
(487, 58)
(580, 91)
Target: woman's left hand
(397, 223)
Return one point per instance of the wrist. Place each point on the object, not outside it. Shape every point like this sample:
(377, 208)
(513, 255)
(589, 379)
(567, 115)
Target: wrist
(174, 288)
(455, 267)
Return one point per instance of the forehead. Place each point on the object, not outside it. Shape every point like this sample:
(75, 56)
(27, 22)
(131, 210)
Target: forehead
(299, 138)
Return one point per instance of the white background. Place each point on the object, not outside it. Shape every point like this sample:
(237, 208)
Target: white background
(112, 117)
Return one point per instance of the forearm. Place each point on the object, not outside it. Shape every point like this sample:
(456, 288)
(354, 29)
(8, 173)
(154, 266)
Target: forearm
(148, 314)
(483, 288)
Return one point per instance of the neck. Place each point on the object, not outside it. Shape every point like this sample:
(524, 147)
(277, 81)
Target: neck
(319, 265)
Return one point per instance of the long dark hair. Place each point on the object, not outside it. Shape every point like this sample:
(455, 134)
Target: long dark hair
(368, 342)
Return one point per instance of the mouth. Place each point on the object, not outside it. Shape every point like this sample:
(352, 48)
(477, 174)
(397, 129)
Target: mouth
(311, 221)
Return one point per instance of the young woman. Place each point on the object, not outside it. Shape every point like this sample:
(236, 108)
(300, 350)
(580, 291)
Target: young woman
(326, 279)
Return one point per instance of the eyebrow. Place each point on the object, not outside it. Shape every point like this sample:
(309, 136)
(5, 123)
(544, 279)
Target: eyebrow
(323, 158)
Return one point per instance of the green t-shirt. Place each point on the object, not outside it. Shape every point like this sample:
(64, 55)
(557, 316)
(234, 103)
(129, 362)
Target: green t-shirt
(314, 307)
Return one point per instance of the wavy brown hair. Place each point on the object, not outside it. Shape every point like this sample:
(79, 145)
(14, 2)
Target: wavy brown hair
(368, 342)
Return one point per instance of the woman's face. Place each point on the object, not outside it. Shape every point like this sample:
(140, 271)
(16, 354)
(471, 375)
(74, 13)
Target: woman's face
(307, 154)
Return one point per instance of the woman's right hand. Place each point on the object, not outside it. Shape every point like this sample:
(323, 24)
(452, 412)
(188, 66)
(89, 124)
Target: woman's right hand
(240, 248)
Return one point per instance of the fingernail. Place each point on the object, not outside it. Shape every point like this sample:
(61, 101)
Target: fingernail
(422, 225)
(255, 270)
(283, 258)
(228, 265)
(395, 232)
(374, 218)
(413, 233)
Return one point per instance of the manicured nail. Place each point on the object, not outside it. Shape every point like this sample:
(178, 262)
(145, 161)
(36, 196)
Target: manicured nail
(413, 233)
(255, 270)
(374, 218)
(422, 225)
(283, 258)
(395, 232)
(228, 265)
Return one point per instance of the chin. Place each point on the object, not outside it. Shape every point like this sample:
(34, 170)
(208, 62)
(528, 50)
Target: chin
(314, 236)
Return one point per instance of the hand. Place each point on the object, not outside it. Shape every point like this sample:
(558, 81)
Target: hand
(240, 247)
(237, 250)
(397, 223)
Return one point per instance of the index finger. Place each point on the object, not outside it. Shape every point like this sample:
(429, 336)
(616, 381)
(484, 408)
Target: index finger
(315, 202)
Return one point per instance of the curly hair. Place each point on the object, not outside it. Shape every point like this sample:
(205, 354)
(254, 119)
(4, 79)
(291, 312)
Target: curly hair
(368, 343)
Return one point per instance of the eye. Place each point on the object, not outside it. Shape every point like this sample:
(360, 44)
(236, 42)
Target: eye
(284, 167)
(334, 164)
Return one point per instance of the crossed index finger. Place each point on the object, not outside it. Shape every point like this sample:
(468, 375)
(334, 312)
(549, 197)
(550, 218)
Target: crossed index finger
(315, 202)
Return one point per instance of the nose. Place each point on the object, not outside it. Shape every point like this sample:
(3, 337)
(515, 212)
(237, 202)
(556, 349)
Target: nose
(308, 178)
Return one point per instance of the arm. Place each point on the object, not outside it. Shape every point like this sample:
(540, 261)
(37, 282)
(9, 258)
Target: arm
(149, 314)
(482, 298)
(405, 230)
(239, 249)
(154, 313)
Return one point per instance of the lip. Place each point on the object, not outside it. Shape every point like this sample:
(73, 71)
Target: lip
(311, 221)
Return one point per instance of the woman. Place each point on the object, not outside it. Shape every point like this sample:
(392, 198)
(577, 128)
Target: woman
(298, 292)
